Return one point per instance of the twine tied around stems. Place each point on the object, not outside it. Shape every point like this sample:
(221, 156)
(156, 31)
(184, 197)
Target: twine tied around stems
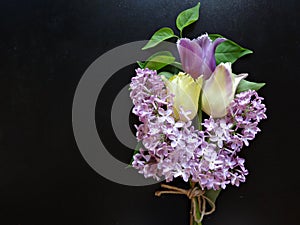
(196, 195)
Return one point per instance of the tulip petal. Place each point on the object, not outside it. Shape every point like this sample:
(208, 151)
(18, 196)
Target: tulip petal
(198, 55)
(191, 56)
(219, 90)
(209, 49)
(237, 79)
(186, 93)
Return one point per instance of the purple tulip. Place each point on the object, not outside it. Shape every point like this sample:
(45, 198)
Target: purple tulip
(198, 55)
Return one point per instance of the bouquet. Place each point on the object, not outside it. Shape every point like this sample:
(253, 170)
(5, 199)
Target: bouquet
(195, 115)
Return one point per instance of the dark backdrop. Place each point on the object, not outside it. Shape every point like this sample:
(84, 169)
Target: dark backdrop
(45, 47)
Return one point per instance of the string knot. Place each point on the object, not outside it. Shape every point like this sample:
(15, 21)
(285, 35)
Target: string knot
(194, 192)
(197, 197)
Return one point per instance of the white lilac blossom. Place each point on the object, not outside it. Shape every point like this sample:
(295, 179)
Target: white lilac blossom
(174, 148)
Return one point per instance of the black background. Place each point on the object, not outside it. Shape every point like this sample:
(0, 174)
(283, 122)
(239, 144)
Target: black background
(45, 47)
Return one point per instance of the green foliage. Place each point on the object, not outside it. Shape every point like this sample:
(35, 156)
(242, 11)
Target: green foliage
(187, 17)
(245, 85)
(228, 51)
(167, 75)
(159, 36)
(157, 60)
(136, 150)
(184, 19)
(212, 194)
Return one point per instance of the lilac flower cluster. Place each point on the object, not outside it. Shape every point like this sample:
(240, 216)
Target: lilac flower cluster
(226, 137)
(172, 148)
(162, 137)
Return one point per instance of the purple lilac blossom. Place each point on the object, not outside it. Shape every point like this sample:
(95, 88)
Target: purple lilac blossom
(176, 149)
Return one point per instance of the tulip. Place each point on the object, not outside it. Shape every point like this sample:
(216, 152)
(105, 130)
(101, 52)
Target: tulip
(198, 55)
(186, 91)
(219, 84)
(219, 90)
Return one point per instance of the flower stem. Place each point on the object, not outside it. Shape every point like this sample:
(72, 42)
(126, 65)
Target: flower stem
(199, 119)
(192, 220)
(200, 113)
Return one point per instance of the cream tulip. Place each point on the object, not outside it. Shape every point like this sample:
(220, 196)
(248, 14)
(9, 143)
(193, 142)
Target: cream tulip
(219, 90)
(186, 91)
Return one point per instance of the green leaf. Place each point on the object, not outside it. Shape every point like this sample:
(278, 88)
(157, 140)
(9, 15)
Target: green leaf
(228, 51)
(177, 65)
(215, 36)
(136, 150)
(187, 17)
(159, 36)
(166, 74)
(173, 68)
(212, 194)
(245, 85)
(159, 60)
(141, 64)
